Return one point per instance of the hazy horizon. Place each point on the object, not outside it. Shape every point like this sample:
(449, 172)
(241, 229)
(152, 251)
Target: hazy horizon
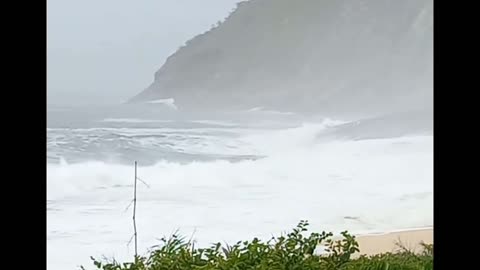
(104, 52)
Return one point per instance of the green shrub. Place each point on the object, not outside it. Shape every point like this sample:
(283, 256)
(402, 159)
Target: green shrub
(291, 252)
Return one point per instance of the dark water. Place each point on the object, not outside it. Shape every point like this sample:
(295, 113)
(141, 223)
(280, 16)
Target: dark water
(148, 134)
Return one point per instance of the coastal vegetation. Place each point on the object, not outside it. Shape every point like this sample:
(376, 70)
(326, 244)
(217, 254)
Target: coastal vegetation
(297, 250)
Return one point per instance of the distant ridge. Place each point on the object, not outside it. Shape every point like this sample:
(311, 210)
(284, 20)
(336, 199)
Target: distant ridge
(329, 56)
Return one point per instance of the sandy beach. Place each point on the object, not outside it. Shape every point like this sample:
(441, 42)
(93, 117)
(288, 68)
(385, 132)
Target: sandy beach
(381, 243)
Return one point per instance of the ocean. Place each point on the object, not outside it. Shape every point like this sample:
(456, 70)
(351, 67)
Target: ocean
(222, 178)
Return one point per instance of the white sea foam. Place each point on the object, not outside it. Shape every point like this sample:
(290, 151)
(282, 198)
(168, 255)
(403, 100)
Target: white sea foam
(385, 184)
(169, 102)
(134, 120)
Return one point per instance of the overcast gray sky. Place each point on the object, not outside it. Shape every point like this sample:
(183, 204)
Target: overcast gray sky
(105, 51)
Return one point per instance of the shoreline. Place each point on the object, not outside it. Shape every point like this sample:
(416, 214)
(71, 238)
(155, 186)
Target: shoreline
(376, 243)
(430, 227)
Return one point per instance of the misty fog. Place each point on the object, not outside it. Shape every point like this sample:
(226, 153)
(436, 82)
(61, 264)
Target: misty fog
(105, 52)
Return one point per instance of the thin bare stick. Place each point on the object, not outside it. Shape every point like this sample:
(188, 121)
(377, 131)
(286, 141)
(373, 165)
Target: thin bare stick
(134, 209)
(147, 185)
(130, 241)
(130, 204)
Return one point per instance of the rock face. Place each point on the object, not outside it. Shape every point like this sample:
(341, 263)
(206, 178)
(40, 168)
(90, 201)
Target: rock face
(326, 56)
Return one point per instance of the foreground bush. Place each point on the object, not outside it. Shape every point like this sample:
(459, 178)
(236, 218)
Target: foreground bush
(292, 252)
